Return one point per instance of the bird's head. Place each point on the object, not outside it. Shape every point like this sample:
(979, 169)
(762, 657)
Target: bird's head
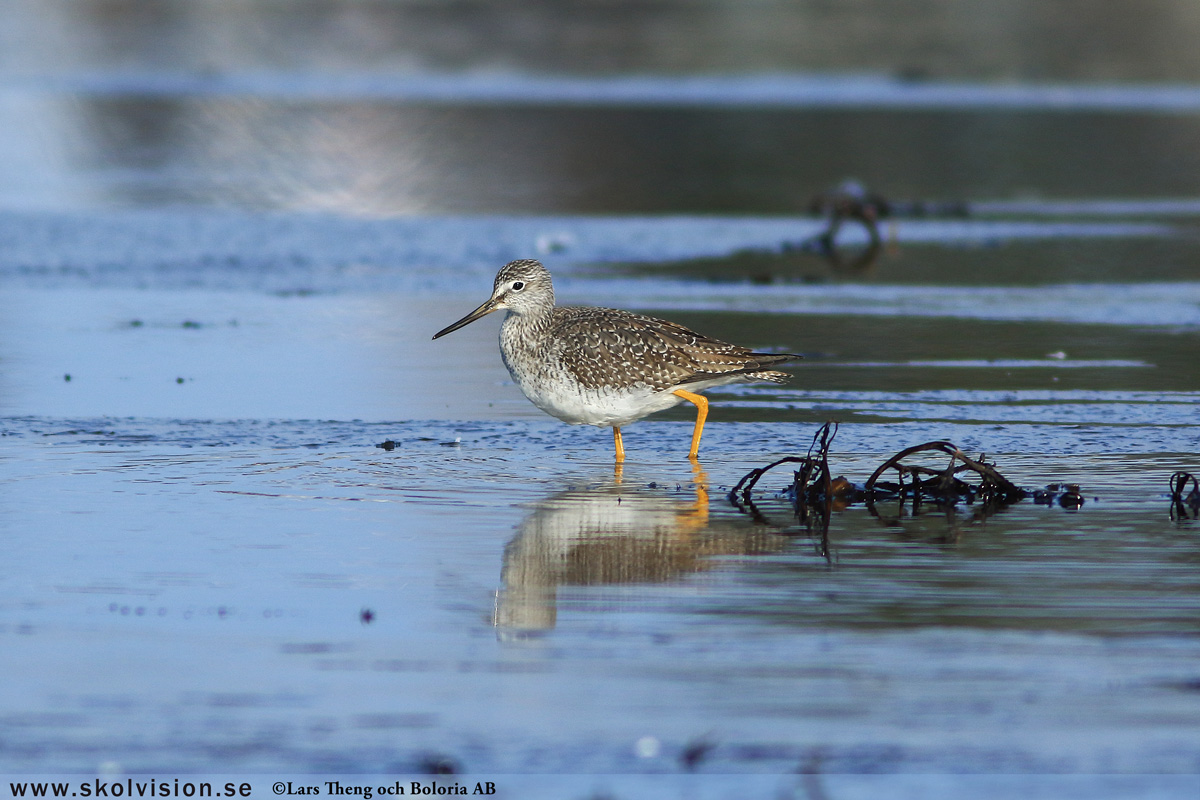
(522, 287)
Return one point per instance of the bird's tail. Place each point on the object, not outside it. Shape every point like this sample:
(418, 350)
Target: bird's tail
(774, 376)
(770, 360)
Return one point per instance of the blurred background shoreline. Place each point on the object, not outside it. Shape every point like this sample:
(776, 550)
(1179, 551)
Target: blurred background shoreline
(1114, 41)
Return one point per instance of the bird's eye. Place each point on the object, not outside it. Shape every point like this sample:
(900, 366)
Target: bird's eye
(518, 286)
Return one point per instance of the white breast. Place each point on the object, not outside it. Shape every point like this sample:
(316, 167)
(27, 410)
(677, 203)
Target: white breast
(551, 387)
(566, 401)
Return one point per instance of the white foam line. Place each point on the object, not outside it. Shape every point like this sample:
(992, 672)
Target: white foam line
(714, 91)
(1140, 304)
(1152, 207)
(996, 364)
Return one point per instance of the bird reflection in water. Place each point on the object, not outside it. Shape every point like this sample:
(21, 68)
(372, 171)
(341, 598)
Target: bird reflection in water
(613, 534)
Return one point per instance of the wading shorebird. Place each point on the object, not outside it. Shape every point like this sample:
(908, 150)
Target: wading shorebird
(605, 367)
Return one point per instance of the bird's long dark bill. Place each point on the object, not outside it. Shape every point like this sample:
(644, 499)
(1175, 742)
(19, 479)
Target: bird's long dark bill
(482, 311)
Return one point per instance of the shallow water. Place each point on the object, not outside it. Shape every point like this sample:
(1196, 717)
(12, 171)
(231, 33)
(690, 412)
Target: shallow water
(510, 574)
(219, 288)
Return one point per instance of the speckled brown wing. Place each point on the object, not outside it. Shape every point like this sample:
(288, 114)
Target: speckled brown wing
(604, 347)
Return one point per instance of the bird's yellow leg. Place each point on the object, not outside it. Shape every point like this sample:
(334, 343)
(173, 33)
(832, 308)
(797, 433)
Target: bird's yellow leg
(619, 444)
(701, 403)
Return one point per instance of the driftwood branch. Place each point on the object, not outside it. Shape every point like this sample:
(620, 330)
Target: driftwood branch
(1185, 506)
(946, 484)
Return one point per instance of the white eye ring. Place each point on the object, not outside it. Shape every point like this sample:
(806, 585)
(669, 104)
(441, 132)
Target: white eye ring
(518, 286)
